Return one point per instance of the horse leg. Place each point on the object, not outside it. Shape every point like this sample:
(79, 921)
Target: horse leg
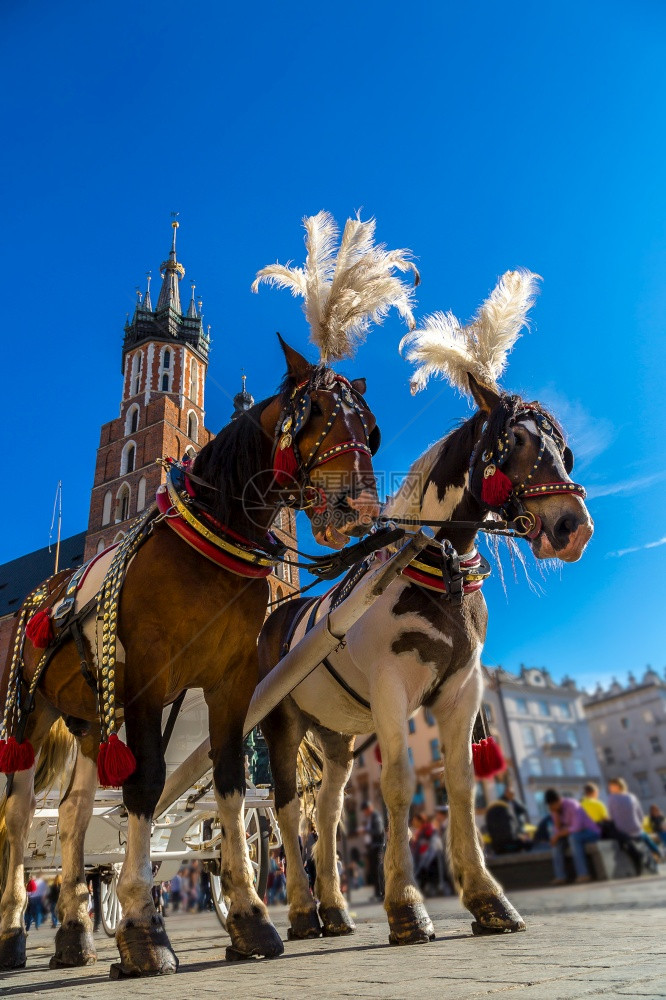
(248, 924)
(284, 729)
(74, 943)
(455, 710)
(145, 949)
(408, 918)
(19, 809)
(338, 762)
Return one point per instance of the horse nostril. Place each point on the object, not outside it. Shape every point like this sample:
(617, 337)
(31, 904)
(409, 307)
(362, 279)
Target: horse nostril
(566, 526)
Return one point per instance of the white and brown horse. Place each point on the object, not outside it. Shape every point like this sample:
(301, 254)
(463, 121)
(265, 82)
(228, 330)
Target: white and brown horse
(417, 646)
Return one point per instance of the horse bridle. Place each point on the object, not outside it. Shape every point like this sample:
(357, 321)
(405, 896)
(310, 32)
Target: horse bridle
(293, 419)
(508, 497)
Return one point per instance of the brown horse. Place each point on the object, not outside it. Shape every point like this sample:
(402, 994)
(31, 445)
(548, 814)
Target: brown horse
(186, 622)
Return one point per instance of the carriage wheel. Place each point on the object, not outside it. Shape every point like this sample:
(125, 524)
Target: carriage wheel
(111, 909)
(257, 831)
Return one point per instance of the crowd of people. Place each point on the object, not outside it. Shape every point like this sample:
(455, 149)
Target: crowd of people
(572, 824)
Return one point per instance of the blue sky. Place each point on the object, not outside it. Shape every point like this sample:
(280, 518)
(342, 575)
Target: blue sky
(480, 140)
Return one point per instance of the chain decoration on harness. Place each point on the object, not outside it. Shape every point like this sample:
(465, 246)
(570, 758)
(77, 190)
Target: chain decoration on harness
(115, 760)
(17, 754)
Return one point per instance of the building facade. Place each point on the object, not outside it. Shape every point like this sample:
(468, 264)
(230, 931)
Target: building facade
(540, 726)
(164, 364)
(542, 729)
(628, 726)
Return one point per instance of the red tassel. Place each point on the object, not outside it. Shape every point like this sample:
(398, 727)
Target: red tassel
(40, 629)
(115, 763)
(16, 756)
(496, 488)
(487, 758)
(285, 466)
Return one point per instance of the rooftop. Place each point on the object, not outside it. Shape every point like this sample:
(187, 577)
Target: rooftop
(20, 576)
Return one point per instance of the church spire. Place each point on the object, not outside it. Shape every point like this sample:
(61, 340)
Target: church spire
(192, 310)
(172, 271)
(147, 304)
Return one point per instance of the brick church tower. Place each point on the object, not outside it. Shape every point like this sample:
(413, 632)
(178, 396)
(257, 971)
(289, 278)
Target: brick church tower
(164, 365)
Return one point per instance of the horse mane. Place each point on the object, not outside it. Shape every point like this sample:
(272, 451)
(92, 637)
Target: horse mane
(230, 461)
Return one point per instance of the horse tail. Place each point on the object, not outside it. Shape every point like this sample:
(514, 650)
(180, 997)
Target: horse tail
(309, 764)
(54, 756)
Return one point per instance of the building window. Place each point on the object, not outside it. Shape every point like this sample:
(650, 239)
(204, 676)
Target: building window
(544, 708)
(135, 381)
(548, 736)
(123, 503)
(429, 717)
(141, 494)
(633, 750)
(529, 739)
(662, 777)
(435, 752)
(128, 458)
(191, 454)
(194, 380)
(100, 546)
(609, 757)
(534, 766)
(165, 382)
(655, 743)
(441, 795)
(166, 359)
(489, 712)
(644, 789)
(192, 427)
(624, 723)
(578, 767)
(520, 706)
(119, 537)
(572, 738)
(106, 509)
(411, 726)
(565, 710)
(557, 767)
(132, 419)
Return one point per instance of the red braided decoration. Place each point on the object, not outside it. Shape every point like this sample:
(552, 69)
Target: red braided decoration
(285, 465)
(496, 489)
(115, 762)
(488, 759)
(16, 756)
(40, 629)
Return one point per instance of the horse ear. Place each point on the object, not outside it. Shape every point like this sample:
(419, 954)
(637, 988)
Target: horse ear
(486, 399)
(360, 385)
(298, 367)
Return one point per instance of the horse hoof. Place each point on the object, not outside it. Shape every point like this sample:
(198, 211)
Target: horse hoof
(74, 946)
(145, 949)
(12, 949)
(303, 926)
(410, 924)
(336, 921)
(253, 935)
(495, 915)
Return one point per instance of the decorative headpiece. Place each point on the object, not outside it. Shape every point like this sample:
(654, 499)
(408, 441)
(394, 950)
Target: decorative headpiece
(345, 288)
(442, 346)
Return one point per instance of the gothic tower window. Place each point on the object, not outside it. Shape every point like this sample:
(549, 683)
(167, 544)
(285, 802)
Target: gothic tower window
(192, 426)
(165, 370)
(128, 460)
(100, 545)
(194, 380)
(123, 503)
(106, 509)
(132, 419)
(141, 494)
(137, 362)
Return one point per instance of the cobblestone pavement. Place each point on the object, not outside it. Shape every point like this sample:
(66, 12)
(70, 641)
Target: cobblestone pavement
(603, 940)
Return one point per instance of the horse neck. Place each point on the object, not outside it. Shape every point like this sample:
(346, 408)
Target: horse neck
(437, 487)
(232, 462)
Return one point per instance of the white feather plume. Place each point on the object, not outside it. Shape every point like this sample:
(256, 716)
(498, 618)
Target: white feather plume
(345, 288)
(442, 346)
